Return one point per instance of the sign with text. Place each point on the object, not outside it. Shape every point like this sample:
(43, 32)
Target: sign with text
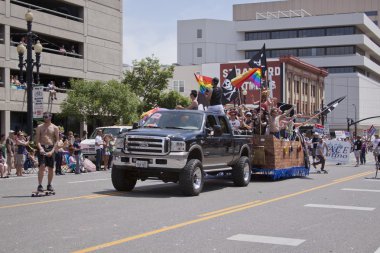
(38, 102)
(274, 70)
(339, 151)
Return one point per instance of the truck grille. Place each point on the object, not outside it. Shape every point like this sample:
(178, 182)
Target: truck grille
(147, 145)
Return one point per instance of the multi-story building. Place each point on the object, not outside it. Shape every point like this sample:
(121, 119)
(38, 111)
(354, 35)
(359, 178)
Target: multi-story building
(340, 36)
(93, 49)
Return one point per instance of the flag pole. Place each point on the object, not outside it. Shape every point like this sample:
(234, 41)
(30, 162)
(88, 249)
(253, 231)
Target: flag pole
(260, 110)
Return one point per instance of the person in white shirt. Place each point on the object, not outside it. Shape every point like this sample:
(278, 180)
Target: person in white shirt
(99, 148)
(235, 122)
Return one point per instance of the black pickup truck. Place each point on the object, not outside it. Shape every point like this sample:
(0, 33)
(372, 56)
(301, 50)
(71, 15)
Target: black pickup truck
(181, 146)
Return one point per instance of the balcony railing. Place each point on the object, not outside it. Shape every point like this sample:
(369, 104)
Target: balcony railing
(39, 8)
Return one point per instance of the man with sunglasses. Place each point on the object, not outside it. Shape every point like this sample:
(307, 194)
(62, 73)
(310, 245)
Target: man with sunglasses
(47, 137)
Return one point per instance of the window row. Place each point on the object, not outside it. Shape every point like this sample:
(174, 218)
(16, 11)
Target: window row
(304, 52)
(302, 33)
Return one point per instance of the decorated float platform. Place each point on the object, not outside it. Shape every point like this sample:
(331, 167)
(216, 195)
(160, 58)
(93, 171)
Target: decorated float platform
(277, 158)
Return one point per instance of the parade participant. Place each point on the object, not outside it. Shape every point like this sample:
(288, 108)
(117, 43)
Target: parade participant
(234, 121)
(194, 102)
(274, 122)
(375, 144)
(47, 137)
(363, 153)
(215, 97)
(321, 147)
(314, 143)
(357, 149)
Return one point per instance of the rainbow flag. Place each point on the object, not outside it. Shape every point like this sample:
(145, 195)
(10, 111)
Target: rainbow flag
(205, 83)
(255, 78)
(240, 79)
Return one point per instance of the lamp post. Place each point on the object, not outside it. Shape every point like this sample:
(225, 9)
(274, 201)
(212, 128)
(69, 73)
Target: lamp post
(29, 67)
(356, 127)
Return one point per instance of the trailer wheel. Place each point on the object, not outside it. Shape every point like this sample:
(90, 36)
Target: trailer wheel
(241, 172)
(191, 178)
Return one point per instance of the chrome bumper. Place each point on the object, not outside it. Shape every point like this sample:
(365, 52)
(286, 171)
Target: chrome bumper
(174, 160)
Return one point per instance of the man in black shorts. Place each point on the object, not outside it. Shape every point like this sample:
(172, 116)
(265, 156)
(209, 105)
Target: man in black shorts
(47, 137)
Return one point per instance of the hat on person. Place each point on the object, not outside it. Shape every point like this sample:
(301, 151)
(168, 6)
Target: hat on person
(248, 113)
(232, 112)
(11, 132)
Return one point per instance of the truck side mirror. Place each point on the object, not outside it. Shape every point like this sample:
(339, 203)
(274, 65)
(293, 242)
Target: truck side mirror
(135, 125)
(217, 130)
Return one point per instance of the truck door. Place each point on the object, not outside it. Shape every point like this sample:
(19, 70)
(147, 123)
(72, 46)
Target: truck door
(226, 142)
(211, 144)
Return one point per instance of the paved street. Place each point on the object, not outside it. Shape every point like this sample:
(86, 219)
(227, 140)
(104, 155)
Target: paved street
(335, 212)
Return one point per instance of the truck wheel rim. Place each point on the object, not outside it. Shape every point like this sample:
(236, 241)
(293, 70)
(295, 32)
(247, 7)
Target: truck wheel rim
(247, 171)
(197, 178)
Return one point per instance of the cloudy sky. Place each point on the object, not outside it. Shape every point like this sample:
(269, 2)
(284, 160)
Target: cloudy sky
(150, 26)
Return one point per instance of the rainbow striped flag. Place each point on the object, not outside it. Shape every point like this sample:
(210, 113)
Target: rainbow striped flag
(255, 78)
(240, 79)
(205, 83)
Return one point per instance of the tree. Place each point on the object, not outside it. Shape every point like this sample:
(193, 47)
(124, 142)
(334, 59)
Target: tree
(171, 99)
(101, 100)
(148, 79)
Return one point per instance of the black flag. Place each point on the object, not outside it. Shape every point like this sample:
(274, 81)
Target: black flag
(230, 92)
(332, 105)
(259, 60)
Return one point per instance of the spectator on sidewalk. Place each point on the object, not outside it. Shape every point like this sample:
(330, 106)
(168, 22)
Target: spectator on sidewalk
(10, 144)
(3, 152)
(52, 91)
(77, 153)
(99, 149)
(21, 151)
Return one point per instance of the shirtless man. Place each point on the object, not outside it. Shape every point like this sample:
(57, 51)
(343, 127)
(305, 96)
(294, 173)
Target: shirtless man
(47, 137)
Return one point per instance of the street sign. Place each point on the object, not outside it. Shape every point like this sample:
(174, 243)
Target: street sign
(38, 99)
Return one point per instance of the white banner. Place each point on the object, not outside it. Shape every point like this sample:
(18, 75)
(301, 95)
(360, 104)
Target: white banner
(340, 134)
(339, 151)
(38, 102)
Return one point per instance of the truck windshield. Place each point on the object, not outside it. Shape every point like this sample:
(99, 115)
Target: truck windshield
(175, 120)
(114, 131)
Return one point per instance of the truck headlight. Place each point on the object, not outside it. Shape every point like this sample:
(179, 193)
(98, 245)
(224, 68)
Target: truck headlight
(177, 146)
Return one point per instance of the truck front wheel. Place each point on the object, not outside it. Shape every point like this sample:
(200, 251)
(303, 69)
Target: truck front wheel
(191, 178)
(241, 172)
(121, 180)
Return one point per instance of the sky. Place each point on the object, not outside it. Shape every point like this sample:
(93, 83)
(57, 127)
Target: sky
(150, 26)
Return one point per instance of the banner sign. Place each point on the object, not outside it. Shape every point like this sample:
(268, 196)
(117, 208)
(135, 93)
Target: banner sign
(318, 128)
(339, 151)
(341, 134)
(38, 102)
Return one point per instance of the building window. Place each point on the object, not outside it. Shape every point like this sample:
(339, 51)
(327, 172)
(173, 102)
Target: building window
(284, 34)
(319, 32)
(337, 70)
(199, 33)
(371, 13)
(340, 50)
(336, 31)
(179, 85)
(199, 52)
(257, 35)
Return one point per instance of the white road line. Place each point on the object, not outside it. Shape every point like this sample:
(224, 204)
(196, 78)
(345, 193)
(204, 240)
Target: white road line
(91, 180)
(266, 239)
(373, 179)
(359, 190)
(342, 207)
(378, 250)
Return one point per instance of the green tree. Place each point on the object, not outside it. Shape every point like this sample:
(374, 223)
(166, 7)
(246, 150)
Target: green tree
(171, 99)
(148, 79)
(101, 100)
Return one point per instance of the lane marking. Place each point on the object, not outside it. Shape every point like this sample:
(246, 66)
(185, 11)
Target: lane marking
(91, 196)
(229, 208)
(359, 208)
(359, 190)
(373, 179)
(90, 180)
(206, 218)
(351, 177)
(378, 250)
(267, 239)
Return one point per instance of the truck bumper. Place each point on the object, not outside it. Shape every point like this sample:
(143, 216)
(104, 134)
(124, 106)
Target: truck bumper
(173, 162)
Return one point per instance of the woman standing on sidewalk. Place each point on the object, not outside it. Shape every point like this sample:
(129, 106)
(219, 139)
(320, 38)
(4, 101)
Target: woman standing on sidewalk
(20, 154)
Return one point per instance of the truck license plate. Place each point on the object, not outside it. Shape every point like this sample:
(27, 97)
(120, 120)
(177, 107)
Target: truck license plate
(141, 164)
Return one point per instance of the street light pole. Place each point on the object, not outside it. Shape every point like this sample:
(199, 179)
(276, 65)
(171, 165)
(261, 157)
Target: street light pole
(29, 72)
(356, 127)
(29, 67)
